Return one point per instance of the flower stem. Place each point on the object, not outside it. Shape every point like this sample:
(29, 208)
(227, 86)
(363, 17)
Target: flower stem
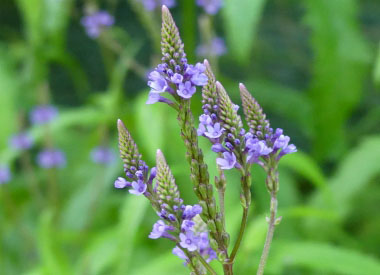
(205, 264)
(268, 240)
(246, 182)
(241, 234)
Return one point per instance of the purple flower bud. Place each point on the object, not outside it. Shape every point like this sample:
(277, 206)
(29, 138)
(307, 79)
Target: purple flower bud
(242, 132)
(5, 174)
(160, 230)
(122, 183)
(229, 146)
(172, 217)
(230, 136)
(187, 225)
(281, 142)
(214, 117)
(21, 141)
(178, 252)
(237, 141)
(205, 119)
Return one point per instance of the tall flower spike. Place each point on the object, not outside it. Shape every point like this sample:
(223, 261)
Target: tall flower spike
(171, 43)
(209, 94)
(167, 190)
(128, 149)
(227, 111)
(256, 119)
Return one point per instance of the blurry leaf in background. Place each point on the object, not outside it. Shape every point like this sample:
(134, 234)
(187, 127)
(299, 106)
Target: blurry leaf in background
(8, 95)
(341, 62)
(241, 19)
(321, 258)
(376, 70)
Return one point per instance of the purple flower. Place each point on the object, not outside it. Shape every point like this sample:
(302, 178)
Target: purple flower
(187, 225)
(5, 174)
(43, 114)
(177, 78)
(138, 188)
(21, 141)
(217, 47)
(102, 155)
(51, 158)
(160, 230)
(205, 119)
(186, 90)
(281, 142)
(210, 6)
(188, 241)
(214, 131)
(257, 148)
(227, 162)
(178, 252)
(157, 82)
(288, 150)
(96, 22)
(152, 4)
(218, 148)
(201, 130)
(122, 183)
(191, 211)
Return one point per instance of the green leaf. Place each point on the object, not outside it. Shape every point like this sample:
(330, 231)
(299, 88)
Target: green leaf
(341, 62)
(376, 71)
(321, 258)
(241, 19)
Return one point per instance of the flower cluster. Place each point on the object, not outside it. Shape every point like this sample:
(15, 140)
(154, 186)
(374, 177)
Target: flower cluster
(96, 22)
(153, 4)
(5, 174)
(180, 82)
(43, 114)
(216, 47)
(102, 155)
(210, 6)
(51, 158)
(21, 141)
(260, 142)
(136, 171)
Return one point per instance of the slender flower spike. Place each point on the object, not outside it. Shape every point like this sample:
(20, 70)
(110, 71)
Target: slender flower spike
(96, 22)
(254, 114)
(128, 149)
(5, 174)
(166, 188)
(231, 121)
(21, 141)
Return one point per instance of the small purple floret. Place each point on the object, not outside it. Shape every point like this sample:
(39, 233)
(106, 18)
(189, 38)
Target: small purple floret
(43, 114)
(21, 141)
(51, 158)
(138, 188)
(96, 22)
(227, 162)
(5, 174)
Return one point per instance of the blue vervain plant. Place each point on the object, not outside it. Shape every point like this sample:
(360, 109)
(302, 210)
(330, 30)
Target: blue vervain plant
(198, 231)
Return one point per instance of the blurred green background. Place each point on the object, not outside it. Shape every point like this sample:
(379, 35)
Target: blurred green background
(314, 66)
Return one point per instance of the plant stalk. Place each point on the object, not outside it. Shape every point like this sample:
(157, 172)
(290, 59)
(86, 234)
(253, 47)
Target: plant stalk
(268, 240)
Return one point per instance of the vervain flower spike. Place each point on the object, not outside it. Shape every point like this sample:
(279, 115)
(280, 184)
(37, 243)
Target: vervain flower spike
(198, 231)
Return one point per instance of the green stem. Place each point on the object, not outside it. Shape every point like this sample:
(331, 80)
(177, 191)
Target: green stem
(268, 240)
(243, 225)
(190, 256)
(246, 183)
(205, 264)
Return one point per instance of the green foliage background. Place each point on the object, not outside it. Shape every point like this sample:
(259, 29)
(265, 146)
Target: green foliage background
(314, 67)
